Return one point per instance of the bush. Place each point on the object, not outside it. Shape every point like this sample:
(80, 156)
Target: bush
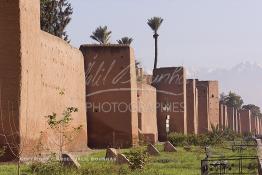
(137, 158)
(214, 137)
(194, 139)
(177, 139)
(229, 134)
(51, 167)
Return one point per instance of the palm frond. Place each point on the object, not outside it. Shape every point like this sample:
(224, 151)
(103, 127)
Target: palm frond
(101, 35)
(125, 40)
(154, 23)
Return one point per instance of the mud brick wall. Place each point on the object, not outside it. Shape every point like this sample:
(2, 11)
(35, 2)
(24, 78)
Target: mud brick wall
(35, 68)
(111, 90)
(147, 120)
(170, 83)
(192, 106)
(245, 120)
(208, 105)
(221, 116)
(231, 114)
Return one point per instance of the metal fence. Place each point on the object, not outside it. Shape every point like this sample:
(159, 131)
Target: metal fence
(230, 165)
(241, 163)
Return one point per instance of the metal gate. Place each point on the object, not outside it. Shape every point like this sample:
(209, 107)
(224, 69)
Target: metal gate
(230, 165)
(235, 164)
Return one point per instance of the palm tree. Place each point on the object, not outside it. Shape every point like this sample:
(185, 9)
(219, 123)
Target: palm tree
(101, 35)
(154, 23)
(125, 40)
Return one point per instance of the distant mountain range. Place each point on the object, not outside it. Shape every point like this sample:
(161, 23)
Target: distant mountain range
(245, 79)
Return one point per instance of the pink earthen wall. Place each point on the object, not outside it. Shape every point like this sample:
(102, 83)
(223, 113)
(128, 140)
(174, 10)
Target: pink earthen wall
(221, 116)
(39, 67)
(231, 114)
(170, 83)
(10, 70)
(208, 105)
(111, 95)
(260, 126)
(253, 124)
(214, 103)
(146, 97)
(245, 120)
(239, 123)
(235, 120)
(192, 107)
(225, 115)
(60, 71)
(203, 119)
(256, 125)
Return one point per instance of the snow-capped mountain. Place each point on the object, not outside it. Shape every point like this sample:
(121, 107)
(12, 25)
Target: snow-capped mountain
(244, 79)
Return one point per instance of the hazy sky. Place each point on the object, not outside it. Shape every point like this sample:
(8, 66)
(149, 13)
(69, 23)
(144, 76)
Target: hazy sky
(195, 33)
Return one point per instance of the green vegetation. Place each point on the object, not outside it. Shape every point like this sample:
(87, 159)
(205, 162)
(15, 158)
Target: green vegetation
(62, 128)
(55, 16)
(138, 158)
(232, 100)
(181, 162)
(214, 137)
(101, 35)
(255, 110)
(125, 40)
(50, 167)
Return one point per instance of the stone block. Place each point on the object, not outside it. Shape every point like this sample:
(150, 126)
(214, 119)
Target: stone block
(111, 153)
(168, 147)
(69, 160)
(152, 150)
(122, 159)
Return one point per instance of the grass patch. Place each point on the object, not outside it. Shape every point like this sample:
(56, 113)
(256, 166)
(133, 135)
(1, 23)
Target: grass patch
(181, 162)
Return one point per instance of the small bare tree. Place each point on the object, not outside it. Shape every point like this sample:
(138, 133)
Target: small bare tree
(63, 131)
(14, 145)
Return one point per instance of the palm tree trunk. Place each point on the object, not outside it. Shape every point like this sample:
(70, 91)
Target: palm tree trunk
(156, 50)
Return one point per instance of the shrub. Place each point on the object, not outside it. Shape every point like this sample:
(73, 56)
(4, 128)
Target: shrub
(193, 139)
(177, 139)
(137, 158)
(63, 129)
(229, 134)
(248, 135)
(51, 167)
(214, 137)
(204, 140)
